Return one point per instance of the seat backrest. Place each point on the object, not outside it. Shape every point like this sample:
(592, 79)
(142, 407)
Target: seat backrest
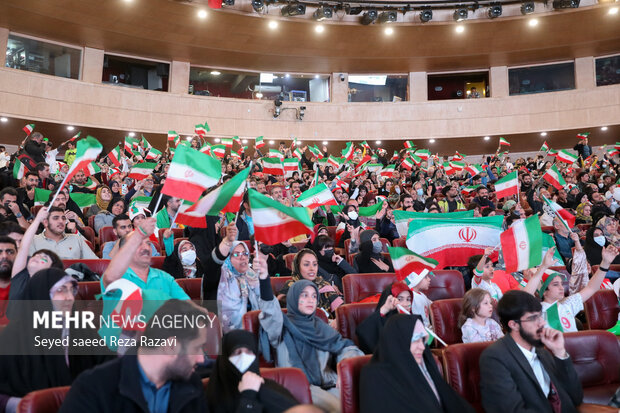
(349, 378)
(97, 266)
(446, 284)
(157, 262)
(331, 232)
(349, 316)
(445, 317)
(602, 310)
(43, 401)
(288, 260)
(400, 242)
(462, 371)
(87, 290)
(107, 234)
(176, 233)
(294, 380)
(359, 286)
(191, 286)
(595, 355)
(277, 283)
(89, 234)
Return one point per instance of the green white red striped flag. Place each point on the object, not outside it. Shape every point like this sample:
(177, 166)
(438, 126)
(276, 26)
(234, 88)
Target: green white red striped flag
(409, 145)
(91, 169)
(552, 152)
(449, 169)
(298, 153)
(218, 150)
(77, 135)
(200, 130)
(146, 144)
(567, 157)
(388, 171)
(374, 167)
(423, 153)
(236, 139)
(402, 218)
(365, 144)
(260, 142)
(553, 317)
(474, 169)
(406, 262)
(190, 173)
(407, 163)
(544, 147)
(227, 142)
(87, 151)
(503, 142)
(274, 153)
(19, 169)
(566, 218)
(115, 156)
(335, 162)
(452, 241)
(347, 152)
(369, 211)
(583, 135)
(273, 166)
(153, 155)
(611, 151)
(142, 170)
(316, 151)
(274, 222)
(554, 177)
(28, 128)
(468, 189)
(226, 198)
(507, 186)
(141, 202)
(457, 165)
(458, 157)
(291, 164)
(522, 245)
(172, 136)
(316, 196)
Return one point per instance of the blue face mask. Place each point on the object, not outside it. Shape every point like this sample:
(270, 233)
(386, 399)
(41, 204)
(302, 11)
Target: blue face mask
(420, 191)
(377, 247)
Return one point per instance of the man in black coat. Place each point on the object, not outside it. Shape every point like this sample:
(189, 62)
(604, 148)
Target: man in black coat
(160, 377)
(517, 374)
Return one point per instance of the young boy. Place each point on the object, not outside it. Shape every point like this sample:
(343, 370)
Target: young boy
(483, 276)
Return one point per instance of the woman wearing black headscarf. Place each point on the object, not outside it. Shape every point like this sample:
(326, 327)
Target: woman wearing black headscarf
(369, 259)
(235, 385)
(402, 375)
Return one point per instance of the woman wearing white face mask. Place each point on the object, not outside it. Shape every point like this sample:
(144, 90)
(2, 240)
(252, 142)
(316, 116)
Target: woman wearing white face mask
(182, 263)
(235, 384)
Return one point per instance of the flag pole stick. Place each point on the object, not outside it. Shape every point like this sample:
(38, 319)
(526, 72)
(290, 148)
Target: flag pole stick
(64, 181)
(157, 204)
(436, 336)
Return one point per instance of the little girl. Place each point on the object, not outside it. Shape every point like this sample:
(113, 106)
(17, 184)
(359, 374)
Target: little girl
(483, 276)
(475, 318)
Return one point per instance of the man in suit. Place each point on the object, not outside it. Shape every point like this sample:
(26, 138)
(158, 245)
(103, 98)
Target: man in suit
(517, 374)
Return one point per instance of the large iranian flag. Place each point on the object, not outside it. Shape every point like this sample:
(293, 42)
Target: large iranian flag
(522, 245)
(273, 166)
(316, 196)
(87, 151)
(406, 262)
(274, 153)
(554, 177)
(190, 173)
(507, 186)
(402, 218)
(566, 218)
(453, 241)
(274, 222)
(225, 198)
(565, 156)
(142, 170)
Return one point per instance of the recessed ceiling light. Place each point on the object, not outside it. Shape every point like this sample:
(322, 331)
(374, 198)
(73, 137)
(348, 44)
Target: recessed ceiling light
(389, 31)
(128, 1)
(432, 141)
(378, 142)
(324, 142)
(271, 142)
(460, 29)
(287, 75)
(486, 138)
(217, 140)
(543, 133)
(202, 14)
(316, 76)
(3, 119)
(216, 72)
(70, 128)
(533, 22)
(613, 10)
(604, 128)
(244, 141)
(131, 134)
(319, 28)
(273, 24)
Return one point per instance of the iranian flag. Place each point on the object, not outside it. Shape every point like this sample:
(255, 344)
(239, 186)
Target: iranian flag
(403, 218)
(458, 157)
(369, 211)
(583, 135)
(146, 144)
(335, 162)
(190, 173)
(457, 165)
(423, 153)
(206, 149)
(274, 153)
(503, 142)
(291, 165)
(129, 142)
(218, 150)
(316, 196)
(449, 169)
(611, 151)
(416, 159)
(273, 166)
(409, 144)
(554, 177)
(406, 262)
(260, 142)
(91, 169)
(172, 136)
(553, 316)
(77, 135)
(236, 139)
(452, 241)
(227, 142)
(19, 169)
(274, 222)
(474, 169)
(200, 130)
(374, 167)
(544, 147)
(316, 151)
(567, 157)
(226, 198)
(298, 153)
(407, 164)
(86, 152)
(507, 186)
(552, 152)
(141, 202)
(388, 171)
(468, 189)
(153, 155)
(115, 156)
(41, 196)
(28, 128)
(142, 170)
(366, 145)
(566, 218)
(347, 152)
(522, 245)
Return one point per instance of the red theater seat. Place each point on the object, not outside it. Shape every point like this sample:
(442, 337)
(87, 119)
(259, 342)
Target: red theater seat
(97, 266)
(176, 233)
(349, 316)
(288, 260)
(157, 262)
(43, 401)
(89, 234)
(359, 286)
(349, 378)
(445, 316)
(277, 283)
(191, 286)
(88, 290)
(602, 310)
(400, 242)
(106, 234)
(446, 284)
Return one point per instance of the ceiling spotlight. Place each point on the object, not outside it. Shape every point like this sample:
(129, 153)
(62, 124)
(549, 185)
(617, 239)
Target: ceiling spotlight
(378, 142)
(3, 119)
(369, 17)
(543, 133)
(604, 128)
(533, 22)
(426, 15)
(273, 25)
(432, 141)
(613, 10)
(271, 142)
(258, 5)
(202, 14)
(387, 17)
(324, 142)
(565, 4)
(460, 15)
(131, 134)
(389, 31)
(293, 9)
(322, 13)
(319, 28)
(486, 138)
(287, 75)
(354, 11)
(216, 72)
(70, 128)
(217, 140)
(527, 8)
(460, 29)
(495, 11)
(316, 76)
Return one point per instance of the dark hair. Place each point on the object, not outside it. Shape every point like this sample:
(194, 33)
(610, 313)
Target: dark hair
(116, 200)
(473, 261)
(41, 166)
(471, 304)
(8, 191)
(323, 241)
(56, 261)
(298, 257)
(471, 206)
(9, 227)
(514, 304)
(481, 187)
(119, 217)
(31, 173)
(8, 240)
(55, 209)
(156, 329)
(486, 211)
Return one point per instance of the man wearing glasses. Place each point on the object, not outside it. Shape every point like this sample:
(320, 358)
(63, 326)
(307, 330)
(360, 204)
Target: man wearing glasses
(517, 374)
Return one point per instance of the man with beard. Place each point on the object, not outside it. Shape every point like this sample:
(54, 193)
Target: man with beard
(517, 374)
(25, 194)
(159, 378)
(8, 251)
(482, 198)
(15, 211)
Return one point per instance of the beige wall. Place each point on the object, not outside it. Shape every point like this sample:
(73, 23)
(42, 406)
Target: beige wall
(4, 37)
(92, 65)
(47, 98)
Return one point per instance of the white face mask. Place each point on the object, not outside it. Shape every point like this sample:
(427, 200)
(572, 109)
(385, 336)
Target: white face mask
(242, 361)
(600, 240)
(352, 215)
(188, 257)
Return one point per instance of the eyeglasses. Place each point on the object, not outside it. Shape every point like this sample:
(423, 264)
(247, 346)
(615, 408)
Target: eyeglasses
(533, 318)
(67, 290)
(240, 254)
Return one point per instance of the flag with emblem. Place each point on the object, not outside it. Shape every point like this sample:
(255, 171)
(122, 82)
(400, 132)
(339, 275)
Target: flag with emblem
(466, 190)
(405, 262)
(273, 166)
(403, 218)
(474, 169)
(316, 196)
(316, 151)
(347, 152)
(458, 157)
(507, 186)
(374, 167)
(260, 142)
(565, 156)
(335, 162)
(583, 135)
(554, 177)
(544, 147)
(153, 155)
(457, 165)
(190, 173)
(298, 153)
(274, 222)
(142, 170)
(522, 245)
(206, 149)
(503, 142)
(19, 169)
(115, 156)
(87, 151)
(28, 128)
(566, 218)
